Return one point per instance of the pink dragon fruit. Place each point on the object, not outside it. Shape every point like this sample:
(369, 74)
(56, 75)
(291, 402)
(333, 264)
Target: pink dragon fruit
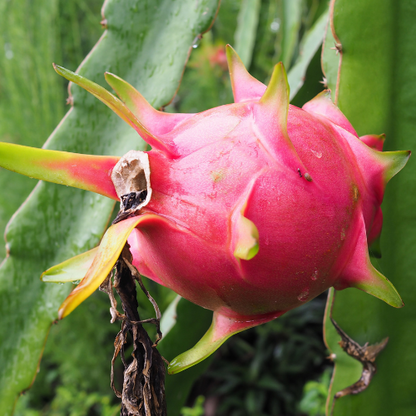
(248, 209)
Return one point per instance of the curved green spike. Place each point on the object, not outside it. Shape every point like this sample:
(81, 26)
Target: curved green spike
(271, 116)
(70, 270)
(207, 345)
(222, 328)
(88, 172)
(380, 287)
(117, 106)
(394, 162)
(108, 253)
(134, 101)
(245, 87)
(277, 95)
(361, 274)
(157, 122)
(102, 94)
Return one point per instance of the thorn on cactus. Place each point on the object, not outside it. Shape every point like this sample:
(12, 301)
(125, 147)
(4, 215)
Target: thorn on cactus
(365, 354)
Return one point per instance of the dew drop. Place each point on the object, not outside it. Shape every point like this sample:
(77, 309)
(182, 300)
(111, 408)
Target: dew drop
(275, 25)
(303, 297)
(196, 41)
(317, 154)
(315, 275)
(8, 51)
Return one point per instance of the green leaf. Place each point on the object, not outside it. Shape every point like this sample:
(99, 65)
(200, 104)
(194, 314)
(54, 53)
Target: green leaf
(245, 34)
(292, 17)
(311, 42)
(31, 99)
(377, 93)
(147, 43)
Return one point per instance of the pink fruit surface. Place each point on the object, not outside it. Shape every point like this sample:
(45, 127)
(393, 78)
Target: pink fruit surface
(264, 205)
(251, 208)
(306, 228)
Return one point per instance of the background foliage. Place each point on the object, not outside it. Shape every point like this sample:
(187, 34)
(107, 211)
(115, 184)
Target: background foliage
(32, 99)
(275, 369)
(377, 79)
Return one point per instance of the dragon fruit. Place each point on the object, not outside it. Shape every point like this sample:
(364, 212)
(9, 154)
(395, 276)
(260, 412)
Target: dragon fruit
(249, 209)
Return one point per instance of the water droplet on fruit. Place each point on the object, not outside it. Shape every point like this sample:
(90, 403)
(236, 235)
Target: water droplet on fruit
(315, 275)
(317, 154)
(303, 297)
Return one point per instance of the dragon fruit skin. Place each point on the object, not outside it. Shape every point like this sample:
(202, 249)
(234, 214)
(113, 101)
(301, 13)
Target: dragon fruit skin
(312, 233)
(204, 192)
(256, 207)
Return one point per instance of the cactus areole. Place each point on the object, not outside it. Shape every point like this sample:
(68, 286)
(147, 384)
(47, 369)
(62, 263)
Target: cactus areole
(249, 209)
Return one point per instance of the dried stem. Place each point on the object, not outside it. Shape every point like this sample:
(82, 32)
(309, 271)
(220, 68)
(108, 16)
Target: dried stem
(143, 392)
